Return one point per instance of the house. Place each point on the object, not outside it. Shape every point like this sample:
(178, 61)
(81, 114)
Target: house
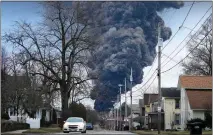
(153, 116)
(142, 108)
(147, 99)
(135, 109)
(170, 112)
(23, 113)
(171, 107)
(196, 97)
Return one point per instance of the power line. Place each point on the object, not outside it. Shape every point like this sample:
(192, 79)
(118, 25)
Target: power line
(187, 14)
(187, 54)
(169, 57)
(166, 45)
(173, 35)
(179, 27)
(190, 32)
(148, 86)
(151, 67)
(146, 81)
(184, 40)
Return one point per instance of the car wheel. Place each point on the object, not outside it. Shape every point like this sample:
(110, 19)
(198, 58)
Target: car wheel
(65, 132)
(84, 131)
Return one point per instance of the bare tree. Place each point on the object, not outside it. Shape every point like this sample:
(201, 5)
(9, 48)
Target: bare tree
(56, 47)
(200, 60)
(4, 75)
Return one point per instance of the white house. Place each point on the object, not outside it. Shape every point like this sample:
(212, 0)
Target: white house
(196, 97)
(170, 105)
(24, 118)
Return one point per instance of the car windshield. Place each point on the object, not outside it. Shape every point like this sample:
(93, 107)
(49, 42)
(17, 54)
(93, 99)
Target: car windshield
(74, 120)
(89, 124)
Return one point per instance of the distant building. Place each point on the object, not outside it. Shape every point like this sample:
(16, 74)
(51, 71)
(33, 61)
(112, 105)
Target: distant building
(148, 98)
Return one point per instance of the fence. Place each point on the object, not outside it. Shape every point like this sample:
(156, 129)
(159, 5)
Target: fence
(34, 123)
(21, 119)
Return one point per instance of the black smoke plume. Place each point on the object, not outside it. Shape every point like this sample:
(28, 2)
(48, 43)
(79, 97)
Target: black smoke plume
(128, 37)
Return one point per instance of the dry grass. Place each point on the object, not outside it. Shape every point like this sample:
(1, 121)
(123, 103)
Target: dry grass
(169, 132)
(43, 130)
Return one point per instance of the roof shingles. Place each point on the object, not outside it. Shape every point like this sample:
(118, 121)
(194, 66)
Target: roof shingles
(200, 99)
(196, 82)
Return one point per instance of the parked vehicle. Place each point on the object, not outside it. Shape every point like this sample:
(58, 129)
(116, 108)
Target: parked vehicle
(89, 126)
(74, 124)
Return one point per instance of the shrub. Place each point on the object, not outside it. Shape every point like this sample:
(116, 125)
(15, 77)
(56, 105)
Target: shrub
(197, 120)
(5, 116)
(8, 125)
(208, 119)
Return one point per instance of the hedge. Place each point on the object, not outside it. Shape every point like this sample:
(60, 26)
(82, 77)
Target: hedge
(8, 125)
(5, 116)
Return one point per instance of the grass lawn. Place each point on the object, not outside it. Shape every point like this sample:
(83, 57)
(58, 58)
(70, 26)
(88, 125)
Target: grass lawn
(169, 132)
(43, 130)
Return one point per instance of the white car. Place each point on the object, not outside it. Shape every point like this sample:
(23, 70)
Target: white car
(74, 124)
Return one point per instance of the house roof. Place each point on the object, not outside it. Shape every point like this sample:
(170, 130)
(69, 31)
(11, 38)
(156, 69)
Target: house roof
(170, 92)
(200, 99)
(148, 98)
(196, 82)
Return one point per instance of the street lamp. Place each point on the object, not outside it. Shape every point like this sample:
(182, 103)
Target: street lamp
(120, 85)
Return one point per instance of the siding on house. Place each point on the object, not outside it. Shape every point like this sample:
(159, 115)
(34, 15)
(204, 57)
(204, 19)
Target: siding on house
(199, 114)
(170, 111)
(186, 112)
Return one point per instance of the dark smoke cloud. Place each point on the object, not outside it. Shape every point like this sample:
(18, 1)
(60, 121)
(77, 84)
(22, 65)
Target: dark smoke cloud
(128, 37)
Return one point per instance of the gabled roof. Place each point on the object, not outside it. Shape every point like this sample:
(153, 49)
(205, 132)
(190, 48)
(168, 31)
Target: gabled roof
(195, 82)
(199, 99)
(149, 98)
(170, 92)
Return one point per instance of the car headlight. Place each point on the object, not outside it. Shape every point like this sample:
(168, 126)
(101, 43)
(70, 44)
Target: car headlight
(65, 126)
(81, 126)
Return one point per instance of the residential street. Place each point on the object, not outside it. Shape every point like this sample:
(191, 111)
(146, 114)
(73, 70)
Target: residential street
(106, 68)
(102, 132)
(90, 132)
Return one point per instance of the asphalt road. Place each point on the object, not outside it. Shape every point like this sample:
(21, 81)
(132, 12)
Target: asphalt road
(89, 132)
(99, 132)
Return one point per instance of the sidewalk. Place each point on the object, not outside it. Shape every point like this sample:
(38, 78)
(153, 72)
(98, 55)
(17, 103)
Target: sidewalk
(14, 132)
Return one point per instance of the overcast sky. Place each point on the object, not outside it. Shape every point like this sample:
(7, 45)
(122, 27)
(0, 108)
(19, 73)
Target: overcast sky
(15, 11)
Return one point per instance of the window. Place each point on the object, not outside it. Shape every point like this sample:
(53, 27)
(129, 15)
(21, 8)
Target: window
(177, 103)
(177, 119)
(73, 119)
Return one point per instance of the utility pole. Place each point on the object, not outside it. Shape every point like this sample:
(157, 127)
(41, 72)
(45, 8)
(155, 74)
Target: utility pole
(117, 114)
(212, 73)
(125, 100)
(120, 85)
(131, 79)
(160, 43)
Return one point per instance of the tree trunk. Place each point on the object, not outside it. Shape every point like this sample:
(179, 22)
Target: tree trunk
(64, 103)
